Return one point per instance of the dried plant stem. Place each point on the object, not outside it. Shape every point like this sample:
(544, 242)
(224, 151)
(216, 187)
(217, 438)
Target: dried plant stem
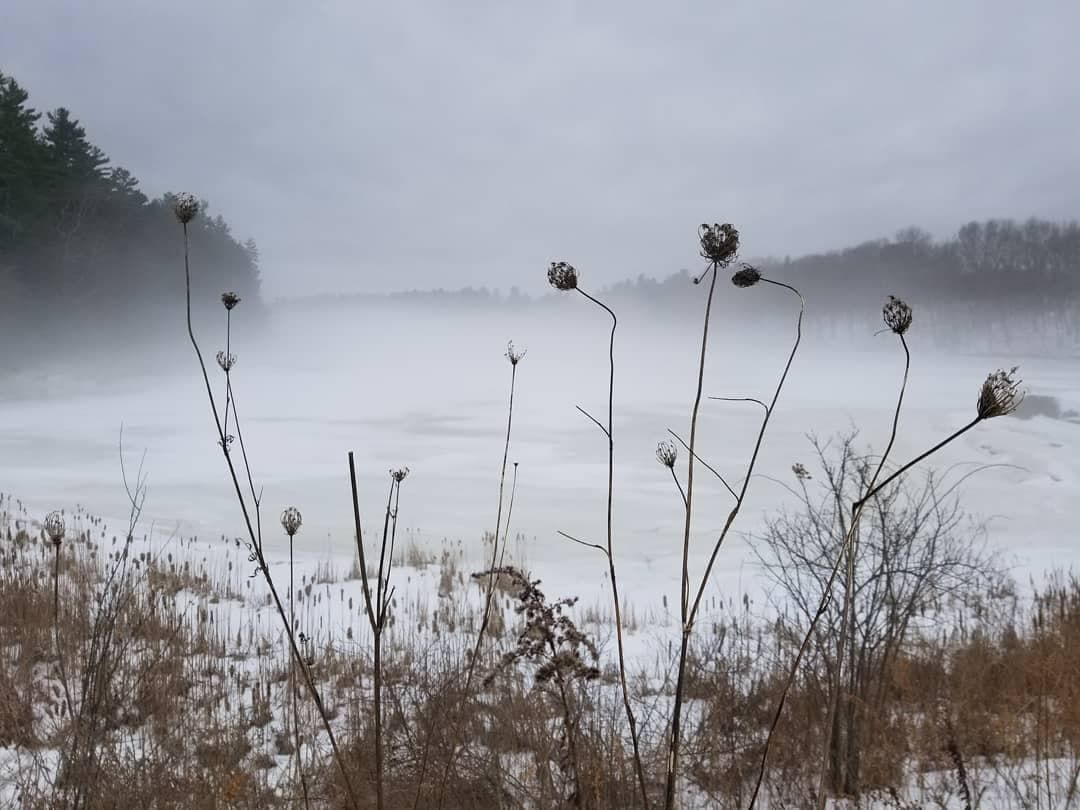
(256, 498)
(73, 718)
(257, 545)
(228, 368)
(684, 601)
(827, 593)
(56, 633)
(509, 514)
(382, 594)
(610, 553)
(695, 606)
(706, 465)
(378, 609)
(849, 606)
(292, 685)
(489, 588)
(678, 485)
(364, 584)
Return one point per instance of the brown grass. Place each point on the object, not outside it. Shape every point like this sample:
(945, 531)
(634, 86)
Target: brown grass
(189, 710)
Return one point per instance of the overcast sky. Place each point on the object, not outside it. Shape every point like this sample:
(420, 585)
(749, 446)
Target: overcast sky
(399, 145)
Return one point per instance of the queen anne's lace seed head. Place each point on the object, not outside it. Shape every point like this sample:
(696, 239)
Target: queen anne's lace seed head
(1000, 394)
(719, 243)
(513, 355)
(897, 315)
(800, 471)
(667, 454)
(562, 276)
(746, 276)
(54, 527)
(291, 521)
(226, 361)
(185, 207)
(230, 300)
(399, 474)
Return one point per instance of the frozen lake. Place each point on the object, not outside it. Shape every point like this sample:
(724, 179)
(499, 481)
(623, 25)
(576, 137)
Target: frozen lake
(431, 393)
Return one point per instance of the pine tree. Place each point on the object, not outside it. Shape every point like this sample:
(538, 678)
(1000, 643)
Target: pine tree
(22, 166)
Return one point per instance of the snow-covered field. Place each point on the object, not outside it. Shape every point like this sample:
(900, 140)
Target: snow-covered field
(430, 393)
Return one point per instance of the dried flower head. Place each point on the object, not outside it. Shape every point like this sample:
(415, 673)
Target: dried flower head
(54, 527)
(185, 207)
(399, 474)
(667, 454)
(226, 361)
(230, 300)
(562, 276)
(1000, 394)
(291, 521)
(746, 276)
(307, 648)
(897, 315)
(513, 355)
(719, 243)
(800, 471)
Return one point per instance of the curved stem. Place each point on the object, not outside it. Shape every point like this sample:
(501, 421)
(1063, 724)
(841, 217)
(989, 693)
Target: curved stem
(257, 546)
(856, 510)
(678, 485)
(673, 752)
(624, 685)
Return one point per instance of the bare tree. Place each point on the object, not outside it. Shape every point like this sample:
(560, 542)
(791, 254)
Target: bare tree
(914, 556)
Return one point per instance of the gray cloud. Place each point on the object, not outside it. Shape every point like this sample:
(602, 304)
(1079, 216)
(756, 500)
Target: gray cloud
(403, 145)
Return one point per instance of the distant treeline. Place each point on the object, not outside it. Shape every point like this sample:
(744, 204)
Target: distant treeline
(996, 284)
(80, 242)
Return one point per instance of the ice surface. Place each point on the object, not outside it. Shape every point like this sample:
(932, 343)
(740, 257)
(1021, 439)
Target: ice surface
(429, 390)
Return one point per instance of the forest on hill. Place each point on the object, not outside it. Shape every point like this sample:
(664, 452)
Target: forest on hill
(89, 260)
(994, 285)
(82, 248)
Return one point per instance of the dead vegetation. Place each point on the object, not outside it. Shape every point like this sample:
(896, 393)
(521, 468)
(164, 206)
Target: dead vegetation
(179, 705)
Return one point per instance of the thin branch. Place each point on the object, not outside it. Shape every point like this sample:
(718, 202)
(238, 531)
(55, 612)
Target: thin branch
(595, 421)
(573, 539)
(705, 464)
(742, 399)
